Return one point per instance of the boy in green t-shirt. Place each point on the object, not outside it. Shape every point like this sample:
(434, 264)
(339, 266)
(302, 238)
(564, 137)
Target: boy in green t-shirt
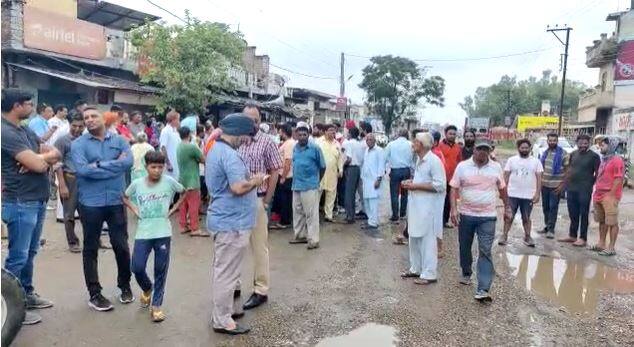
(189, 156)
(152, 196)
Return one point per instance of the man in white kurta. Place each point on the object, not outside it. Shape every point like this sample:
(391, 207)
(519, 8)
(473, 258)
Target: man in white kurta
(170, 140)
(424, 215)
(372, 173)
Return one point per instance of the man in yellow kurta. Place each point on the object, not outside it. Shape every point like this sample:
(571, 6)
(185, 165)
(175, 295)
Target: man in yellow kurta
(331, 150)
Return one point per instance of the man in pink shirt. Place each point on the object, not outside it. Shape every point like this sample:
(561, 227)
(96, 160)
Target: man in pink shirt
(607, 194)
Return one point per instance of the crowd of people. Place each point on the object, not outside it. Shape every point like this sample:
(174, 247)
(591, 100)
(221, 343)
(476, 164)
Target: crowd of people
(249, 177)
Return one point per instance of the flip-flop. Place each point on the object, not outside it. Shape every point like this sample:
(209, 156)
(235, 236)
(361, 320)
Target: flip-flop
(607, 253)
(423, 281)
(595, 248)
(567, 240)
(199, 234)
(579, 245)
(409, 275)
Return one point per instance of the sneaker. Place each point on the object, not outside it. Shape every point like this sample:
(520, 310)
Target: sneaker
(31, 318)
(529, 242)
(466, 280)
(145, 298)
(482, 296)
(126, 296)
(74, 249)
(99, 303)
(33, 301)
(550, 235)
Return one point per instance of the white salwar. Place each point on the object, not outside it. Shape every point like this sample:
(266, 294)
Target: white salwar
(373, 168)
(424, 216)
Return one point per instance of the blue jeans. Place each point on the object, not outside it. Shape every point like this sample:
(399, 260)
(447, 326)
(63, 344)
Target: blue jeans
(484, 227)
(397, 176)
(578, 210)
(24, 222)
(142, 249)
(550, 207)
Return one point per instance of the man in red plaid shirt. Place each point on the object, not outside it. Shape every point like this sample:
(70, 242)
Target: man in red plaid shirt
(261, 155)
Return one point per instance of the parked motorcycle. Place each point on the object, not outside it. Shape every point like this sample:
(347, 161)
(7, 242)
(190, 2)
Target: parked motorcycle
(13, 307)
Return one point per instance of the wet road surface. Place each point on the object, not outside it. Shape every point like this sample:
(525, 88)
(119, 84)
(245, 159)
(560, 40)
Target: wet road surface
(349, 291)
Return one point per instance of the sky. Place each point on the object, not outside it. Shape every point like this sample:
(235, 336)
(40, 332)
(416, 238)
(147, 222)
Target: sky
(307, 38)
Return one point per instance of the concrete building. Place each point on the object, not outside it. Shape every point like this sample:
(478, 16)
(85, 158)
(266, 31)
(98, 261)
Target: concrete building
(609, 105)
(314, 106)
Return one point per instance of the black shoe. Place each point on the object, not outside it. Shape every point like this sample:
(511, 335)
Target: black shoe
(126, 296)
(254, 301)
(236, 294)
(393, 219)
(237, 315)
(42, 242)
(100, 303)
(237, 331)
(59, 220)
(349, 221)
(300, 240)
(361, 215)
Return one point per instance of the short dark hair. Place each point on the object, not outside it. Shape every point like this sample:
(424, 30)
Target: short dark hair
(606, 140)
(522, 141)
(200, 129)
(552, 135)
(184, 132)
(469, 131)
(41, 107)
(77, 118)
(416, 131)
(89, 108)
(583, 137)
(286, 129)
(367, 127)
(12, 96)
(330, 126)
(154, 157)
(134, 113)
(450, 127)
(115, 108)
(305, 129)
(354, 132)
(60, 107)
(79, 103)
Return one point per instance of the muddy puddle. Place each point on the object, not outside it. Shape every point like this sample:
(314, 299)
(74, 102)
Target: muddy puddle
(367, 335)
(576, 286)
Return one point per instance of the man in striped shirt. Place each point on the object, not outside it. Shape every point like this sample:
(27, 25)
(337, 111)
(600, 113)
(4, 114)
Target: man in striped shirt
(477, 181)
(554, 161)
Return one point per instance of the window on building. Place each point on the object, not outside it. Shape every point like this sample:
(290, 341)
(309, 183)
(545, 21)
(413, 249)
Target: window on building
(102, 96)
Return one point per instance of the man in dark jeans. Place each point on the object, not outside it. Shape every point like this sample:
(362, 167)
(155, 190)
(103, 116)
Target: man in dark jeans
(101, 160)
(399, 156)
(25, 191)
(581, 172)
(553, 160)
(354, 150)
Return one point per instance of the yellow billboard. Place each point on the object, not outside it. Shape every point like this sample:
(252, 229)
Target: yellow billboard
(536, 122)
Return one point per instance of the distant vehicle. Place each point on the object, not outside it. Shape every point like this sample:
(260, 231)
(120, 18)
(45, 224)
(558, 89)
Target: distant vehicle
(541, 145)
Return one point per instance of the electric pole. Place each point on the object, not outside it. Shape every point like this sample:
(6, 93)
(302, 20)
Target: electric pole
(342, 82)
(563, 81)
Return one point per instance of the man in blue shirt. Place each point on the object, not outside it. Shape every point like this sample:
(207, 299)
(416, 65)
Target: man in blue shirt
(399, 156)
(101, 160)
(309, 167)
(230, 218)
(39, 123)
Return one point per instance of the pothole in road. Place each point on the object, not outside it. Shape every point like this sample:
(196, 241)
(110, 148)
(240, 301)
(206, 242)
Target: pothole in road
(368, 335)
(573, 285)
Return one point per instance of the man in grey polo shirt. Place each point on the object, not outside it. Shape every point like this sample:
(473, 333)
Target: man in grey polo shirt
(231, 218)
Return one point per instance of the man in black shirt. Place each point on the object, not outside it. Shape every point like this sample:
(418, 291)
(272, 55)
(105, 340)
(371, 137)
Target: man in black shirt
(25, 190)
(581, 172)
(469, 142)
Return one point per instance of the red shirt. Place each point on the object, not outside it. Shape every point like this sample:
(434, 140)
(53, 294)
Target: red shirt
(608, 172)
(439, 154)
(125, 132)
(452, 154)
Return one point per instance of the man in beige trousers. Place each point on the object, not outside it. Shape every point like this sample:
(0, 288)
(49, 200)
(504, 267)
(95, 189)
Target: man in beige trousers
(261, 156)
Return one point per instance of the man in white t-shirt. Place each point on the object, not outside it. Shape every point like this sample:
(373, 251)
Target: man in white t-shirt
(523, 176)
(170, 139)
(60, 123)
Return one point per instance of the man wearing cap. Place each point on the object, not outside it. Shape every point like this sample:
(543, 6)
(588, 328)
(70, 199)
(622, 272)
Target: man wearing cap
(230, 218)
(261, 156)
(477, 181)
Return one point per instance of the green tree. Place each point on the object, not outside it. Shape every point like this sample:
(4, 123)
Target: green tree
(395, 86)
(512, 97)
(190, 62)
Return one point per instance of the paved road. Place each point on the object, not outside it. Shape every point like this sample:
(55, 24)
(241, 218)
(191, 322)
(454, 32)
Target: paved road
(331, 295)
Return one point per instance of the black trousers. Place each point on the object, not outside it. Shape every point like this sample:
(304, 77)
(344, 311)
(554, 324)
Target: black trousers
(396, 177)
(92, 219)
(352, 176)
(447, 210)
(578, 210)
(283, 201)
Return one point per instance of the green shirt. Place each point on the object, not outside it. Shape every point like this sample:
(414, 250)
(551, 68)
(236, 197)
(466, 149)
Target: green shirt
(189, 156)
(153, 202)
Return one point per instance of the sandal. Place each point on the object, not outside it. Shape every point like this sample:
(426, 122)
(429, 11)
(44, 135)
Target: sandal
(198, 233)
(409, 275)
(567, 240)
(607, 253)
(595, 248)
(157, 315)
(185, 231)
(423, 281)
(579, 244)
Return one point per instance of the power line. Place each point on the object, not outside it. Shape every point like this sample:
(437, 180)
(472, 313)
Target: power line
(302, 74)
(467, 59)
(165, 10)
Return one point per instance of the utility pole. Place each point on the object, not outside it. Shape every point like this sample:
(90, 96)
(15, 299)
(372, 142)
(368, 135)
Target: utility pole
(563, 81)
(342, 82)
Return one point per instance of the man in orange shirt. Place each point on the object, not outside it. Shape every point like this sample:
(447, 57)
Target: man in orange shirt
(452, 153)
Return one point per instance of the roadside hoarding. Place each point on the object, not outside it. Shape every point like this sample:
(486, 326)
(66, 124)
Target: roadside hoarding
(53, 32)
(478, 123)
(624, 67)
(342, 104)
(536, 122)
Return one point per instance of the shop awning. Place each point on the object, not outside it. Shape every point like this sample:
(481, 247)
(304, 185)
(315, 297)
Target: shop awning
(91, 79)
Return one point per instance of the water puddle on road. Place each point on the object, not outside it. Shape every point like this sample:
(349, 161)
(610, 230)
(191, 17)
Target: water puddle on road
(573, 285)
(367, 335)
